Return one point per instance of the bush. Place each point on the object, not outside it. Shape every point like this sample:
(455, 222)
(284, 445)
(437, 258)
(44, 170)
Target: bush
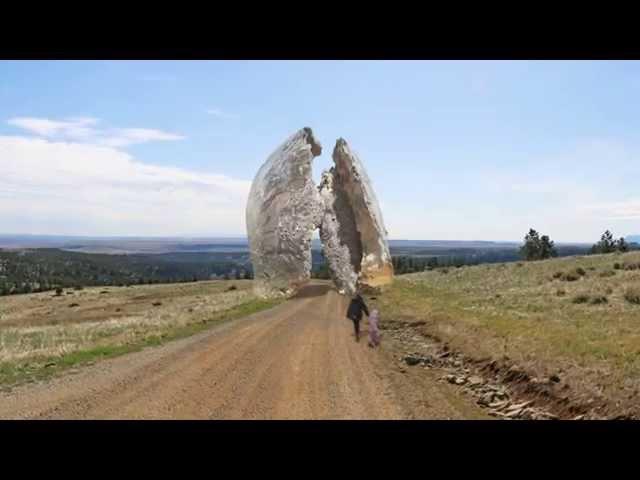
(608, 290)
(580, 271)
(631, 266)
(231, 288)
(560, 292)
(558, 274)
(598, 299)
(582, 298)
(617, 266)
(570, 277)
(78, 287)
(58, 291)
(607, 273)
(632, 295)
(444, 270)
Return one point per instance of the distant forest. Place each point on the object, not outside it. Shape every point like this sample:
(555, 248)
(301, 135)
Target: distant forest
(43, 269)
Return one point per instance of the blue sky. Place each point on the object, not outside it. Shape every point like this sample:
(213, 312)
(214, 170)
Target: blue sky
(456, 150)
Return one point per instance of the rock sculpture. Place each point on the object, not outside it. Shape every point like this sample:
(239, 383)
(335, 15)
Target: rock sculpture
(285, 207)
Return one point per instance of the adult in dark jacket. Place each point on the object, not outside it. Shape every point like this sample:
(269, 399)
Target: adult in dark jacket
(354, 312)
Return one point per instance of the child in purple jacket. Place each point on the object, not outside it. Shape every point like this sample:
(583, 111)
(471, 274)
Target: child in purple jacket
(374, 333)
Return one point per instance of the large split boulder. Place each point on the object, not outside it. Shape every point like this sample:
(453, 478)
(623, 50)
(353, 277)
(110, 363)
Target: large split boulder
(285, 207)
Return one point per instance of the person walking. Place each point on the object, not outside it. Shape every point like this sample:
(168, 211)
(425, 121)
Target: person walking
(354, 312)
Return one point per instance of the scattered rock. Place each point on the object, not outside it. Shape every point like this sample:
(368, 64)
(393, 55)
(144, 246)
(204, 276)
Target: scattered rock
(513, 413)
(499, 405)
(486, 399)
(450, 378)
(411, 360)
(495, 413)
(519, 406)
(475, 380)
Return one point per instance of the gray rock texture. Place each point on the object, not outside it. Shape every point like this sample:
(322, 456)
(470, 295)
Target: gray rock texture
(354, 217)
(283, 210)
(285, 207)
(341, 259)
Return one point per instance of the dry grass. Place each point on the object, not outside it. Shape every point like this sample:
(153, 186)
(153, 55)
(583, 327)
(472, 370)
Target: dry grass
(528, 313)
(42, 326)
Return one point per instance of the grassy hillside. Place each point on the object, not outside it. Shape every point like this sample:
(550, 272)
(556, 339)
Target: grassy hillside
(42, 333)
(574, 318)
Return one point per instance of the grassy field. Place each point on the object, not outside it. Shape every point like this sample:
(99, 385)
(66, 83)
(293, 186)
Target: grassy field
(42, 334)
(575, 317)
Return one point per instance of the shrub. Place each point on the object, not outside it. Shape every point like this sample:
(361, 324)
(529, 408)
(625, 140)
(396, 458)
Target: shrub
(444, 270)
(580, 271)
(570, 277)
(617, 266)
(58, 291)
(582, 298)
(631, 266)
(598, 299)
(608, 290)
(560, 292)
(632, 295)
(558, 274)
(231, 288)
(78, 287)
(607, 273)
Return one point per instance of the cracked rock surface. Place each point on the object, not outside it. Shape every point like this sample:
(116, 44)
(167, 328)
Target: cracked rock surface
(359, 228)
(285, 207)
(283, 210)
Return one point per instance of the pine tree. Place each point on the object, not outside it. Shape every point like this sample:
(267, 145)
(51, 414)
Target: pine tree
(530, 250)
(606, 244)
(547, 248)
(536, 247)
(622, 245)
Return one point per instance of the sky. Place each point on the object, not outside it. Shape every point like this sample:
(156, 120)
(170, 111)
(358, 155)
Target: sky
(456, 150)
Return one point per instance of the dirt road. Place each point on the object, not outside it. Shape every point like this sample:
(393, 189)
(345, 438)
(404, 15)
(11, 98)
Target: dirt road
(296, 361)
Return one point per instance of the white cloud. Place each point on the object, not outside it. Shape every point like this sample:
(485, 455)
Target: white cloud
(216, 112)
(83, 189)
(85, 130)
(625, 210)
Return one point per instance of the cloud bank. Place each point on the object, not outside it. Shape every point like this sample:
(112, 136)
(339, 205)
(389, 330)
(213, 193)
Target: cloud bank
(74, 179)
(86, 130)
